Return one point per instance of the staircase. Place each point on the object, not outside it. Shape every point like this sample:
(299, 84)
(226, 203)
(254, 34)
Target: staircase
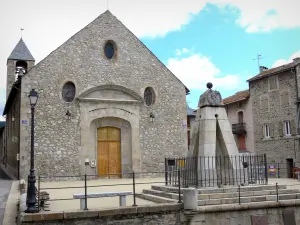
(219, 196)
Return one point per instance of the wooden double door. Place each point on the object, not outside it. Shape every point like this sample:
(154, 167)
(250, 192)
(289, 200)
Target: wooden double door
(109, 152)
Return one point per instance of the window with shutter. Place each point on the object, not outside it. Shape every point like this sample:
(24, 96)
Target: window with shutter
(284, 98)
(264, 103)
(280, 129)
(293, 127)
(271, 129)
(273, 82)
(266, 131)
(287, 128)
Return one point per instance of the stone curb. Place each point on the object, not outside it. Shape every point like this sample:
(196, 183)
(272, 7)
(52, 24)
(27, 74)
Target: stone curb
(93, 213)
(248, 206)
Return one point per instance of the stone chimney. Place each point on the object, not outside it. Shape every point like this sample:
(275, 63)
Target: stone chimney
(262, 68)
(296, 60)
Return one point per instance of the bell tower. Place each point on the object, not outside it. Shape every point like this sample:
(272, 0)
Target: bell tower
(19, 62)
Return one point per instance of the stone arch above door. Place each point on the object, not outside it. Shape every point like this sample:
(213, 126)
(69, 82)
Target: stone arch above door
(130, 153)
(110, 93)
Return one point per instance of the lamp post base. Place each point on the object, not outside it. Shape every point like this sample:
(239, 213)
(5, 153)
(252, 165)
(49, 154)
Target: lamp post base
(31, 194)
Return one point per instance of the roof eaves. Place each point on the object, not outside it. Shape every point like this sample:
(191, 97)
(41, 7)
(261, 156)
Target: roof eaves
(238, 100)
(270, 74)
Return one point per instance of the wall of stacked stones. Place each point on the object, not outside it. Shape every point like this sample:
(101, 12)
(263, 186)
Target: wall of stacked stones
(164, 214)
(277, 148)
(82, 61)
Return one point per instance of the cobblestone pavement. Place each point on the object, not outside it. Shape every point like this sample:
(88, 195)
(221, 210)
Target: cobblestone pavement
(4, 191)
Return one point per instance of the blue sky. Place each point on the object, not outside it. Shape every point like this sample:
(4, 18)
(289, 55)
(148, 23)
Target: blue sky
(214, 33)
(198, 40)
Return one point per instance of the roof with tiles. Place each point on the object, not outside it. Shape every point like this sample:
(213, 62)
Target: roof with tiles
(276, 70)
(239, 96)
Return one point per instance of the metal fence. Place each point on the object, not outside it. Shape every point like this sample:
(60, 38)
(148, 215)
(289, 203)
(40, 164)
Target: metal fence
(207, 171)
(43, 191)
(283, 169)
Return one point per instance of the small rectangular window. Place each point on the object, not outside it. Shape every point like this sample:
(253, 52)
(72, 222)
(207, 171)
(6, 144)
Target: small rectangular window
(267, 130)
(287, 128)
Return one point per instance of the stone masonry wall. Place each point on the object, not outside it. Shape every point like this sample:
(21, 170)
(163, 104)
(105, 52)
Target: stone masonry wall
(81, 60)
(243, 217)
(171, 214)
(158, 214)
(277, 148)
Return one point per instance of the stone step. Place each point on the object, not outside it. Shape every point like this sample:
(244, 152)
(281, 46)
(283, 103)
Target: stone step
(248, 199)
(154, 198)
(246, 194)
(222, 195)
(161, 194)
(221, 190)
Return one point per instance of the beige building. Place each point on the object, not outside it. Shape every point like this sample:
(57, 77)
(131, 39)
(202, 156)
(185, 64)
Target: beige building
(239, 112)
(106, 105)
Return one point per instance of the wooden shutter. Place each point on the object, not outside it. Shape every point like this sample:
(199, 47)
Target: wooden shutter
(271, 127)
(273, 83)
(293, 127)
(284, 97)
(266, 103)
(280, 128)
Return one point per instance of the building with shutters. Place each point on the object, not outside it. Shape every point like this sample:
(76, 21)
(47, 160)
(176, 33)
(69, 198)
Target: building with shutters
(274, 95)
(239, 112)
(106, 105)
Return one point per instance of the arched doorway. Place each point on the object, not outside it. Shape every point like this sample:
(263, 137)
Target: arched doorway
(109, 152)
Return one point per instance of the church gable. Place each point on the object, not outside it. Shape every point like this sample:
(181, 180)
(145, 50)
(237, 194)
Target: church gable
(105, 51)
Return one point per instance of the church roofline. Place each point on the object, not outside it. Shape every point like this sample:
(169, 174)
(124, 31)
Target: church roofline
(187, 91)
(21, 52)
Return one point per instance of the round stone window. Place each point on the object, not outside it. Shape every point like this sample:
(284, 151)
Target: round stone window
(68, 91)
(149, 96)
(110, 49)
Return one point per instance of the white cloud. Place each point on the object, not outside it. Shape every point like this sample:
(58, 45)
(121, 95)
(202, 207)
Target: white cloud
(266, 15)
(183, 51)
(196, 70)
(281, 62)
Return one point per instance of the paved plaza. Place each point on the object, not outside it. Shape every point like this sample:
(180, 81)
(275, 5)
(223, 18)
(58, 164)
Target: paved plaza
(108, 202)
(96, 203)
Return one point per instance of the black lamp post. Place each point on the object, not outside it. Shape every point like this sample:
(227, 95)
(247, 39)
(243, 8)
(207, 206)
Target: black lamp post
(31, 190)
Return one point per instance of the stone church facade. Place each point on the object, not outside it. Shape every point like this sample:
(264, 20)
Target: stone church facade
(106, 105)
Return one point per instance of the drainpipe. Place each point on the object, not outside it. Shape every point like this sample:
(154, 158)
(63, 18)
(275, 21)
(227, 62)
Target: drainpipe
(293, 71)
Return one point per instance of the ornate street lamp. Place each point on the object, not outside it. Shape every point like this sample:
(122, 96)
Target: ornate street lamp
(31, 190)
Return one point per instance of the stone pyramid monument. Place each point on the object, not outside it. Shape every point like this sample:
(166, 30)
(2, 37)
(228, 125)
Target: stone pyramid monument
(212, 140)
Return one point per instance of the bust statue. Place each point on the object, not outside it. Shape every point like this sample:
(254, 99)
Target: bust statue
(210, 97)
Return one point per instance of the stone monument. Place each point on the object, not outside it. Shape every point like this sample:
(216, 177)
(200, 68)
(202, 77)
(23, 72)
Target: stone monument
(213, 143)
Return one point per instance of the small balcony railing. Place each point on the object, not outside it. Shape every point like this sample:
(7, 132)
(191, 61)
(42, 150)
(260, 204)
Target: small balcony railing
(239, 128)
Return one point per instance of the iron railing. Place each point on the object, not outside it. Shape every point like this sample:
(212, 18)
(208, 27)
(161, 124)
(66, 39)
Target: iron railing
(239, 128)
(207, 171)
(43, 204)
